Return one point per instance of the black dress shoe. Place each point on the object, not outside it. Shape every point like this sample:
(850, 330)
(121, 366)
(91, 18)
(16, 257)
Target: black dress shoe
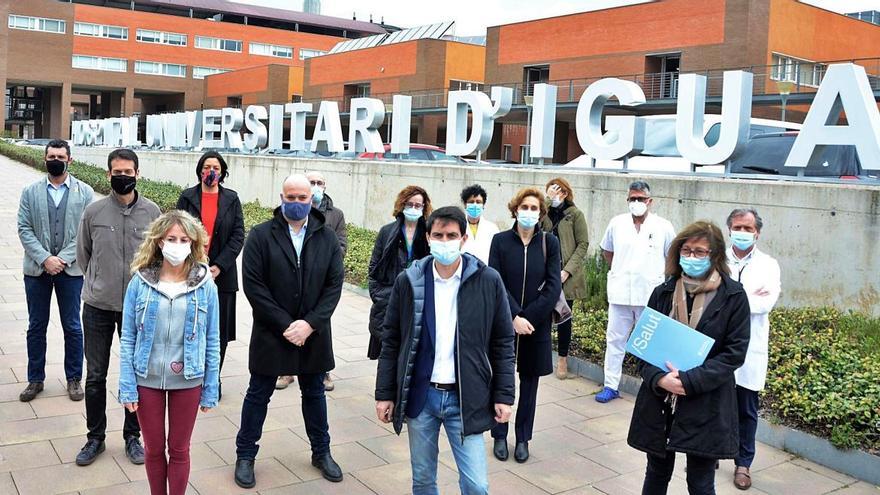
(134, 450)
(31, 391)
(329, 469)
(244, 473)
(89, 452)
(500, 449)
(521, 452)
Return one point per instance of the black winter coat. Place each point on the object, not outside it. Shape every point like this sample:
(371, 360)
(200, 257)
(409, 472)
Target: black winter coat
(228, 236)
(283, 288)
(523, 270)
(335, 219)
(705, 422)
(484, 343)
(386, 263)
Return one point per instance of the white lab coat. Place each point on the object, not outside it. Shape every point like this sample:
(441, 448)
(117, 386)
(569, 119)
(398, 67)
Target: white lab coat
(639, 259)
(756, 271)
(479, 245)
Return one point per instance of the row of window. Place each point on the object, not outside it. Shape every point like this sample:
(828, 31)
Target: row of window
(141, 67)
(798, 71)
(153, 36)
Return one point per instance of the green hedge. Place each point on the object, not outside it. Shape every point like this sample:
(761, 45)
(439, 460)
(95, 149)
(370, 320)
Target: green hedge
(824, 373)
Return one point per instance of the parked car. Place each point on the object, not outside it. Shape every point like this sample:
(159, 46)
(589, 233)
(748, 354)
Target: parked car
(661, 152)
(417, 153)
(37, 142)
(765, 155)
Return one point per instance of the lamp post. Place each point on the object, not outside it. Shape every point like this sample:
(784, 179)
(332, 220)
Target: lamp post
(528, 99)
(784, 88)
(388, 109)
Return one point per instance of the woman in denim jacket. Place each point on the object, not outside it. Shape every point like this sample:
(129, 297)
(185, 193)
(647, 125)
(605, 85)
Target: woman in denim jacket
(170, 345)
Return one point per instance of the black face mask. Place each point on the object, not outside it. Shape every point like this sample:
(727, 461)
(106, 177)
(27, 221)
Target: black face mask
(122, 184)
(56, 168)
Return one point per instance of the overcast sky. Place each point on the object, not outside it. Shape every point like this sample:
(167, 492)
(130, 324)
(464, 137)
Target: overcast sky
(473, 16)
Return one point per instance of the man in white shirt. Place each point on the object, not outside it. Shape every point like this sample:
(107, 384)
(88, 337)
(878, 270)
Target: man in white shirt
(447, 356)
(480, 230)
(635, 245)
(760, 276)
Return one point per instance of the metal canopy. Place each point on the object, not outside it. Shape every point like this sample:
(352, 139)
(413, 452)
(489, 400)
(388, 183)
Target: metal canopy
(429, 31)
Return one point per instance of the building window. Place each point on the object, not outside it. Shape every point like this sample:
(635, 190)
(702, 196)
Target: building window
(233, 101)
(218, 44)
(524, 153)
(99, 63)
(271, 50)
(798, 71)
(203, 72)
(37, 24)
(100, 31)
(506, 151)
(465, 86)
(159, 69)
(161, 37)
(535, 75)
(305, 53)
(296, 98)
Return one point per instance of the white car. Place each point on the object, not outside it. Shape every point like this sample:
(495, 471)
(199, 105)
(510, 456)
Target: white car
(661, 153)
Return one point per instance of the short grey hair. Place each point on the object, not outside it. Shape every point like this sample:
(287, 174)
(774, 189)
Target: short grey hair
(739, 212)
(640, 185)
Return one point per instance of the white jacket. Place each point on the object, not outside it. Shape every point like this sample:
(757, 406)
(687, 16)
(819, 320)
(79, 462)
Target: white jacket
(756, 271)
(479, 245)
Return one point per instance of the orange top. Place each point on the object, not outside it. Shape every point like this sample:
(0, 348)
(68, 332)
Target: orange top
(209, 214)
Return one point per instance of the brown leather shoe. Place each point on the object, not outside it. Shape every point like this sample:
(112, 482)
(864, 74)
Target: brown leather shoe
(742, 478)
(562, 368)
(75, 391)
(31, 391)
(283, 382)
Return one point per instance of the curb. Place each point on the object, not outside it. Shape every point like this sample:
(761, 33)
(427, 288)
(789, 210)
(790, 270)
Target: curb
(855, 463)
(357, 290)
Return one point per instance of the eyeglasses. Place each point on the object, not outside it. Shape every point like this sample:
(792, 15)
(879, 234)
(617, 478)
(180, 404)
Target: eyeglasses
(317, 183)
(640, 199)
(694, 253)
(415, 206)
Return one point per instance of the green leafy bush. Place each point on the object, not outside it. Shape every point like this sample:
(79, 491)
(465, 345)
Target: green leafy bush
(357, 259)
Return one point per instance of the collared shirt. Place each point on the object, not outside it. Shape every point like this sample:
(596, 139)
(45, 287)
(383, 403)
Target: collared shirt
(639, 257)
(446, 311)
(57, 192)
(298, 239)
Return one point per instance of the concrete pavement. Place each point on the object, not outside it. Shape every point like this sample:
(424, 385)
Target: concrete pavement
(579, 445)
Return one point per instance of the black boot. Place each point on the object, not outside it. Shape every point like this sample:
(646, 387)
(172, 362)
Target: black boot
(500, 449)
(521, 453)
(244, 473)
(328, 467)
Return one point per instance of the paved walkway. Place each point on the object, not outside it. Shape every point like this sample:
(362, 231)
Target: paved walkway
(579, 445)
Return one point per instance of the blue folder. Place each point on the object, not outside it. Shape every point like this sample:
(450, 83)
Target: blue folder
(658, 338)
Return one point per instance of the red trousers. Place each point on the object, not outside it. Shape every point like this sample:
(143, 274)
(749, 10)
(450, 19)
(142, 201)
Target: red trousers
(167, 476)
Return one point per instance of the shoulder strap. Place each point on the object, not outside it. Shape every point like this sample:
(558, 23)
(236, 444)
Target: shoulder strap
(544, 245)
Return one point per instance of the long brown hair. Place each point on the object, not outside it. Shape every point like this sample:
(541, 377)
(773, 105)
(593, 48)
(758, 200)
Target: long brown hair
(408, 192)
(701, 229)
(150, 253)
(524, 193)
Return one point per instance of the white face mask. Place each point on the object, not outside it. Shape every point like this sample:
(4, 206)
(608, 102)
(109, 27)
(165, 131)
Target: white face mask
(638, 209)
(176, 252)
(555, 202)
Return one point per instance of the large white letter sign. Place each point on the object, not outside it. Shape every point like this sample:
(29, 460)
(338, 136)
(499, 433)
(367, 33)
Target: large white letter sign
(156, 131)
(298, 112)
(845, 88)
(211, 137)
(543, 122)
(328, 129)
(193, 128)
(457, 141)
(366, 116)
(736, 108)
(276, 127)
(630, 131)
(253, 117)
(401, 116)
(230, 128)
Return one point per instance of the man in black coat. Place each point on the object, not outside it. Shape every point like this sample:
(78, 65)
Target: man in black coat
(292, 273)
(447, 356)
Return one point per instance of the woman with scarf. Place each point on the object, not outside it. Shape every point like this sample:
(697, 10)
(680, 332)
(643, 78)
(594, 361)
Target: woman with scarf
(694, 412)
(398, 244)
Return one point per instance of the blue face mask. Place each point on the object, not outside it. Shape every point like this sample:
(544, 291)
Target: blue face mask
(446, 252)
(412, 214)
(694, 267)
(474, 210)
(317, 195)
(742, 240)
(295, 211)
(527, 218)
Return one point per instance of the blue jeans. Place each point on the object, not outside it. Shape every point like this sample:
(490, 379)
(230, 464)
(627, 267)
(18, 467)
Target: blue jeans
(256, 403)
(442, 407)
(39, 298)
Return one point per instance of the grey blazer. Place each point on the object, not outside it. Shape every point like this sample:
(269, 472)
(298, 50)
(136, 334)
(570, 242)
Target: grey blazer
(34, 231)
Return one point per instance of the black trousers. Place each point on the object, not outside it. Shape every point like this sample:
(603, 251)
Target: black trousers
(226, 308)
(525, 411)
(98, 328)
(747, 401)
(563, 334)
(700, 474)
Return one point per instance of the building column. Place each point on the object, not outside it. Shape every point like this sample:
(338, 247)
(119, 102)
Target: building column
(3, 111)
(93, 106)
(59, 112)
(128, 102)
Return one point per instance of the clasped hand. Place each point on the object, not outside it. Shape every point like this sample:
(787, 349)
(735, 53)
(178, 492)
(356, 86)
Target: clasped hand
(671, 382)
(298, 332)
(522, 326)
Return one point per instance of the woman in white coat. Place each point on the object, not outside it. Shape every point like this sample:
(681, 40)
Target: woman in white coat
(480, 231)
(760, 276)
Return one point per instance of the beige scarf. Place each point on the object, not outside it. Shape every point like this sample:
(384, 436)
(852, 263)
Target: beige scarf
(703, 292)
